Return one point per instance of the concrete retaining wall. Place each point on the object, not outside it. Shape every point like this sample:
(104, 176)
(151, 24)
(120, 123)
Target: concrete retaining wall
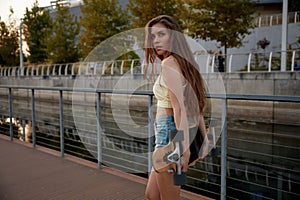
(268, 83)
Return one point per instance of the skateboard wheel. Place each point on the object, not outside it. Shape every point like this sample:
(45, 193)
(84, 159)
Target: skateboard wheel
(179, 179)
(170, 170)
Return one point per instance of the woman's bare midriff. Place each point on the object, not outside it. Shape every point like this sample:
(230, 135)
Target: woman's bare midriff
(163, 112)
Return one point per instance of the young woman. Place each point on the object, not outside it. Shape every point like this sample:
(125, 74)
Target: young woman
(180, 94)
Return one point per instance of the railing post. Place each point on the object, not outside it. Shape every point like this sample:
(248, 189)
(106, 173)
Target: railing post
(249, 62)
(53, 70)
(88, 65)
(230, 63)
(99, 129)
(61, 123)
(213, 63)
(22, 71)
(73, 69)
(79, 69)
(112, 67)
(122, 66)
(271, 19)
(142, 67)
(150, 132)
(33, 118)
(207, 63)
(32, 70)
(224, 149)
(10, 115)
(66, 69)
(270, 62)
(48, 70)
(59, 69)
(131, 67)
(13, 71)
(43, 66)
(293, 60)
(37, 70)
(95, 68)
(27, 71)
(103, 68)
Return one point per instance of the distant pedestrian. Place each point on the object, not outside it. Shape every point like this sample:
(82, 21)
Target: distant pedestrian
(221, 60)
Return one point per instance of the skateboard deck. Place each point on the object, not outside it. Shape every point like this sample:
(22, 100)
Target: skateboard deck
(159, 158)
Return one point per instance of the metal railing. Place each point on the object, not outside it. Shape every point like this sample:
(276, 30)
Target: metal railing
(216, 176)
(250, 62)
(118, 67)
(247, 62)
(276, 19)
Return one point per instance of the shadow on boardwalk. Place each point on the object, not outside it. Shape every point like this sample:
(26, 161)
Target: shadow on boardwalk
(28, 173)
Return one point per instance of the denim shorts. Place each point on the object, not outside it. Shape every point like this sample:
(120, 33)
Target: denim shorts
(162, 126)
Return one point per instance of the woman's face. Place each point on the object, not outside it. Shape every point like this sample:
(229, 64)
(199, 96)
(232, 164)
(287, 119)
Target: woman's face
(160, 37)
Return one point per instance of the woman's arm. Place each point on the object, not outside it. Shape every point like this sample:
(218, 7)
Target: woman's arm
(202, 126)
(175, 81)
(204, 149)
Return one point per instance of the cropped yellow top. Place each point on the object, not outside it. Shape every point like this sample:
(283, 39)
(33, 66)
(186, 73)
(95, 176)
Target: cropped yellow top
(161, 93)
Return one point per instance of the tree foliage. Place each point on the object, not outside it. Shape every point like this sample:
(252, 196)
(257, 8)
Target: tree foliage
(144, 10)
(226, 21)
(9, 45)
(62, 42)
(37, 27)
(293, 5)
(101, 19)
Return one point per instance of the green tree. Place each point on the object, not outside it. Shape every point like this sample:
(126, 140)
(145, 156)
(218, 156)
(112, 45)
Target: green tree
(226, 21)
(62, 43)
(9, 42)
(144, 10)
(101, 19)
(37, 27)
(293, 5)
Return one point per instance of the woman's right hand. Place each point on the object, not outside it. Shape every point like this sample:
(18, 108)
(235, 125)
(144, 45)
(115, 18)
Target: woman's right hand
(185, 160)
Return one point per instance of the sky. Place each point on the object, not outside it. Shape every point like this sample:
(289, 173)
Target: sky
(19, 7)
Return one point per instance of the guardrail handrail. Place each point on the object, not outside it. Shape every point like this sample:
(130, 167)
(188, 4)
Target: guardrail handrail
(223, 97)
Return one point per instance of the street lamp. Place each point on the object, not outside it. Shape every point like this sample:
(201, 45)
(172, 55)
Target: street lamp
(21, 49)
(284, 34)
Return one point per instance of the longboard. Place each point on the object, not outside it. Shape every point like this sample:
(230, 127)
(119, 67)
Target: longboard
(159, 158)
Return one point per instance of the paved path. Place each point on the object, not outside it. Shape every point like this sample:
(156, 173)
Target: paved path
(38, 174)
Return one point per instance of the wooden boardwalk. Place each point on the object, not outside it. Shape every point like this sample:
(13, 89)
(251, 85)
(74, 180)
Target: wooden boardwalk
(40, 174)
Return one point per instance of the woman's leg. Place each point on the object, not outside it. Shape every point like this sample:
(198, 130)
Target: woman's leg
(160, 187)
(152, 191)
(166, 186)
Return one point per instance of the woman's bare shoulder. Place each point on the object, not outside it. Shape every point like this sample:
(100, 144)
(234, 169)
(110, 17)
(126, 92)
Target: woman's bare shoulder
(171, 69)
(170, 63)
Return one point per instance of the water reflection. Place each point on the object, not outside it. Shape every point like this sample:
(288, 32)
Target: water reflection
(22, 129)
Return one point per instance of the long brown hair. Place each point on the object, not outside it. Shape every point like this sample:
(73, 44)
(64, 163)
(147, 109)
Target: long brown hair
(181, 51)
